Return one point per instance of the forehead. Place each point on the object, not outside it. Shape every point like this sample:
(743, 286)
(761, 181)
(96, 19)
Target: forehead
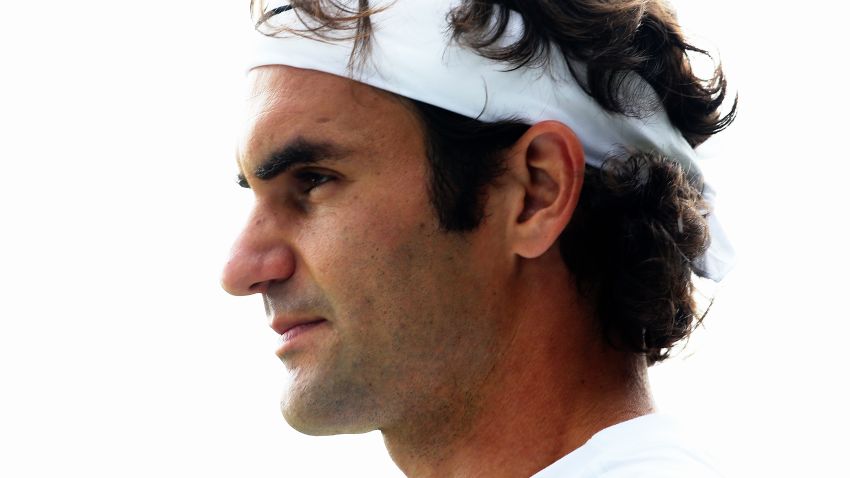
(284, 103)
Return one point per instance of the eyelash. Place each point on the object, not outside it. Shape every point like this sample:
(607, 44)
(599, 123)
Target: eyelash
(311, 180)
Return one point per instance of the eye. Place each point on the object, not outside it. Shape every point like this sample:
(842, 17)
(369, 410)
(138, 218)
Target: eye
(309, 180)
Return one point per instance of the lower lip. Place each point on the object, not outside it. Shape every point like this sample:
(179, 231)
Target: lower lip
(297, 334)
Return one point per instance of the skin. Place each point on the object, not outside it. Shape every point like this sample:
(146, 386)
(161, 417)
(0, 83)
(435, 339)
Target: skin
(440, 340)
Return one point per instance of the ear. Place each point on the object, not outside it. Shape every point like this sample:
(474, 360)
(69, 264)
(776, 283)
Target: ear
(547, 163)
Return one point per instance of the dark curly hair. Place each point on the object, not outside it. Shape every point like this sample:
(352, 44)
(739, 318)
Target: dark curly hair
(641, 222)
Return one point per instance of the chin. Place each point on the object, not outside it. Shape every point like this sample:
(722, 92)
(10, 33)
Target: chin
(324, 426)
(323, 418)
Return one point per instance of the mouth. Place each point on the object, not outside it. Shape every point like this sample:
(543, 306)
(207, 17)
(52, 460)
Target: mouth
(293, 332)
(283, 324)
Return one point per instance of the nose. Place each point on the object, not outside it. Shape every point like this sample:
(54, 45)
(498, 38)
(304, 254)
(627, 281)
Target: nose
(260, 257)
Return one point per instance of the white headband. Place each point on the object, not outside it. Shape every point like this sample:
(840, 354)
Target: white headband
(412, 55)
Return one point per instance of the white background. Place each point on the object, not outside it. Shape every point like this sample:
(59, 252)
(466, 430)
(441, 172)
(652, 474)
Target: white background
(120, 355)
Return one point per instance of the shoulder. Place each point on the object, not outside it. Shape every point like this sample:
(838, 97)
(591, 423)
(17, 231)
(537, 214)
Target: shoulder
(650, 446)
(658, 463)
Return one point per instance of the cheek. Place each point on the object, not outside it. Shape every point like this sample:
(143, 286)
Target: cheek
(381, 221)
(368, 245)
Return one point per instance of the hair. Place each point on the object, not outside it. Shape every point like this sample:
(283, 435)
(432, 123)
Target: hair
(640, 223)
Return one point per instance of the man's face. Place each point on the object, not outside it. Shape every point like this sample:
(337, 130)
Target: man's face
(405, 318)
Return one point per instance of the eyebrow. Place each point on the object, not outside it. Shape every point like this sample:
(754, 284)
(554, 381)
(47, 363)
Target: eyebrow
(299, 151)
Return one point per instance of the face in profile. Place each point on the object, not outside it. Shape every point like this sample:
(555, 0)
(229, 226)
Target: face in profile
(381, 312)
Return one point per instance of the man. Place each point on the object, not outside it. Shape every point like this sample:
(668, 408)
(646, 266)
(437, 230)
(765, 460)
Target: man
(477, 225)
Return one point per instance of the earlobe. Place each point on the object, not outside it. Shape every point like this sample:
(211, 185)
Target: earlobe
(551, 163)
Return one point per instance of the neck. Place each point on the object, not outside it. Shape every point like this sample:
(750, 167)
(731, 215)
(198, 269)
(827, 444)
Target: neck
(556, 384)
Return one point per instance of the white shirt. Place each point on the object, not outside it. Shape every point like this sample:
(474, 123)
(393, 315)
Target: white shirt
(651, 446)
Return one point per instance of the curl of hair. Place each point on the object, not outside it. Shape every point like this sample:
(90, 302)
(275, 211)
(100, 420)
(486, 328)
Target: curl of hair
(324, 19)
(631, 244)
(612, 40)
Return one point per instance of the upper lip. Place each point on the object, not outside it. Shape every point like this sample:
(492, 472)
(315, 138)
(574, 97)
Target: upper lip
(282, 324)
